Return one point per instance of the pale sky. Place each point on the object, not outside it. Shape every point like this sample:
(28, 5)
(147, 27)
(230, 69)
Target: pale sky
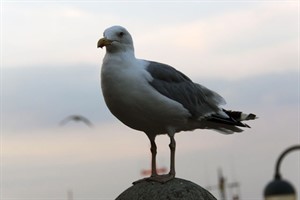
(238, 34)
(245, 50)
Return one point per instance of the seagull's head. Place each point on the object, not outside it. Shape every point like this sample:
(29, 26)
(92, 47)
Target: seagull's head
(116, 38)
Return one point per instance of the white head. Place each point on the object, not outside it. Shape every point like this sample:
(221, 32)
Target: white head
(116, 39)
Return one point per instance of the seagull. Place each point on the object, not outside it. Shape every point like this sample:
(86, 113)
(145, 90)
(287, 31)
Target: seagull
(156, 99)
(76, 118)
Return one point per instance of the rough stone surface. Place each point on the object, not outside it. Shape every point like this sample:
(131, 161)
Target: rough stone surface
(175, 189)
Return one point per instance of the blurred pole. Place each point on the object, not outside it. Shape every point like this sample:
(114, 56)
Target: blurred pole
(222, 185)
(70, 195)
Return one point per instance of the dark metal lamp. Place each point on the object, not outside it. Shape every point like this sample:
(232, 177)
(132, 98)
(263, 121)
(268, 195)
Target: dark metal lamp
(280, 189)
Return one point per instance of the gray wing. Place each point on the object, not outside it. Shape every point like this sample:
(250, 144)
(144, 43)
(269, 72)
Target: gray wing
(173, 84)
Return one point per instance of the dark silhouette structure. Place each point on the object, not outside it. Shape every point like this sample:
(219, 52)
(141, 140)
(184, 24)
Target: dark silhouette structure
(177, 189)
(280, 188)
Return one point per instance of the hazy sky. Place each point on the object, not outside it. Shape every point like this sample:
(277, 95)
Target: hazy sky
(245, 50)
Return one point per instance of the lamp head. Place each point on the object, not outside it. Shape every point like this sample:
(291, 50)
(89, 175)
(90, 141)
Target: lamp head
(279, 189)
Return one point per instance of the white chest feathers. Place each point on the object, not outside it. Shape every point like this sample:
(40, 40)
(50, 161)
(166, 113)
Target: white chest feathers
(130, 97)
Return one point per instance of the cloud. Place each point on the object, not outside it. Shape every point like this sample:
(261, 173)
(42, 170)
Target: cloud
(52, 35)
(74, 142)
(50, 161)
(249, 41)
(42, 97)
(38, 98)
(84, 159)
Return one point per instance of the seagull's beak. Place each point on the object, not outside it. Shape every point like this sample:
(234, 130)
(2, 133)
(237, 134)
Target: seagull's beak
(104, 42)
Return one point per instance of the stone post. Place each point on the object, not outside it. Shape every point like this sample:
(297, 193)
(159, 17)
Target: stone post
(175, 189)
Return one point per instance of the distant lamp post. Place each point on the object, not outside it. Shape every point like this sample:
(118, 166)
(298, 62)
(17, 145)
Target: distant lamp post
(280, 189)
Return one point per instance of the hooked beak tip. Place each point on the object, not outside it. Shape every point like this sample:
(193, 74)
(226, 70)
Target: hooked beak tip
(103, 42)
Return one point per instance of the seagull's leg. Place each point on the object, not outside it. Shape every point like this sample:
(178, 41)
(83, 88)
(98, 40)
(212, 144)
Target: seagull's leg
(154, 176)
(167, 177)
(153, 156)
(172, 146)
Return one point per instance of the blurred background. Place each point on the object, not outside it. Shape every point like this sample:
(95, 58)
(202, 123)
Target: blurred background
(247, 51)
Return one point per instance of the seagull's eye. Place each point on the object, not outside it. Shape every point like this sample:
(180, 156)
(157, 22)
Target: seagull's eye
(121, 34)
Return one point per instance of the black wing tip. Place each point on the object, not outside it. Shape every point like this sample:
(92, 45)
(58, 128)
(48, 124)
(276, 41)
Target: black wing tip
(227, 121)
(240, 116)
(251, 116)
(247, 126)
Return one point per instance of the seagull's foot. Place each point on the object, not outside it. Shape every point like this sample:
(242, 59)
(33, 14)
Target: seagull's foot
(157, 178)
(161, 178)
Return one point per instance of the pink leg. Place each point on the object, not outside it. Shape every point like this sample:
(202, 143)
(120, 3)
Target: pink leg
(153, 156)
(172, 160)
(154, 176)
